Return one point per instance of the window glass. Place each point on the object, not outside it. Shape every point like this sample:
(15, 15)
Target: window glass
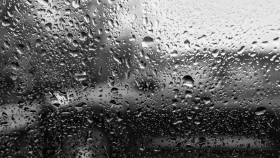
(139, 78)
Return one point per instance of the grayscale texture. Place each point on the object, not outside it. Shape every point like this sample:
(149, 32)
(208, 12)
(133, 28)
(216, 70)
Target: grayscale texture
(139, 78)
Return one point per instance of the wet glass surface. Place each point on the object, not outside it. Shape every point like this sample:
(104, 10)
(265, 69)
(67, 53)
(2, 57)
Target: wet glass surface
(130, 78)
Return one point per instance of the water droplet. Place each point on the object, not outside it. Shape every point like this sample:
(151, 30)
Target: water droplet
(87, 18)
(241, 50)
(111, 1)
(6, 23)
(48, 26)
(19, 48)
(188, 94)
(81, 76)
(7, 44)
(38, 42)
(111, 23)
(70, 37)
(177, 122)
(215, 53)
(206, 100)
(80, 106)
(188, 81)
(187, 42)
(114, 90)
(260, 111)
(147, 41)
(174, 53)
(43, 2)
(76, 3)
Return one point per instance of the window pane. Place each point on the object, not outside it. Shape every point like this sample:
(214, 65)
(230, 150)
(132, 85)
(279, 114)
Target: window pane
(130, 78)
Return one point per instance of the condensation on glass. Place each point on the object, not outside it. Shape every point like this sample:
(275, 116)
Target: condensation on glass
(139, 78)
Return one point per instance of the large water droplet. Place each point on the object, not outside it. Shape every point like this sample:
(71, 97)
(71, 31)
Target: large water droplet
(147, 41)
(188, 81)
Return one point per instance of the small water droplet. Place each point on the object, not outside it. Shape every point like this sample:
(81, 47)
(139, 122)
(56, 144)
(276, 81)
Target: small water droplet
(6, 23)
(260, 111)
(87, 18)
(177, 122)
(76, 3)
(81, 76)
(188, 94)
(43, 2)
(187, 42)
(241, 50)
(215, 53)
(48, 26)
(114, 90)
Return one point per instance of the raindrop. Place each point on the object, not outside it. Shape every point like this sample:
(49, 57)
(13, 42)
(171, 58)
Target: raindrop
(147, 41)
(38, 42)
(174, 53)
(70, 37)
(76, 3)
(87, 18)
(80, 106)
(114, 90)
(260, 111)
(111, 23)
(188, 94)
(81, 76)
(7, 44)
(111, 1)
(5, 23)
(215, 53)
(241, 50)
(188, 81)
(206, 100)
(177, 122)
(187, 42)
(48, 26)
(43, 2)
